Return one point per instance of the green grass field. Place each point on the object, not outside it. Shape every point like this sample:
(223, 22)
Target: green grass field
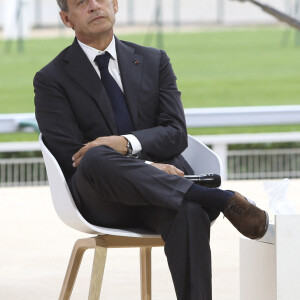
(214, 68)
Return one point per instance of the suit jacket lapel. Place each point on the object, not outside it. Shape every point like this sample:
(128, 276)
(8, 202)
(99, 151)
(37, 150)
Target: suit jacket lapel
(130, 66)
(80, 69)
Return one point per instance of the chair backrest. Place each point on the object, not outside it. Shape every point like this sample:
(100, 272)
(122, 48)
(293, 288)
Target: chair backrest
(200, 157)
(60, 193)
(66, 209)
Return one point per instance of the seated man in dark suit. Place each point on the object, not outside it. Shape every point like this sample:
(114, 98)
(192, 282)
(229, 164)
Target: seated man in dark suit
(111, 114)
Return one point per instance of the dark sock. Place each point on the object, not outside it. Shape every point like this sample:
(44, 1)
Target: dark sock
(208, 197)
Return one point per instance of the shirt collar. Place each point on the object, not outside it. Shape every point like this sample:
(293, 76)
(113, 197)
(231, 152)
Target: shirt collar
(91, 52)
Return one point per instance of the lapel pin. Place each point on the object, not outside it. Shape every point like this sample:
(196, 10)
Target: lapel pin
(136, 62)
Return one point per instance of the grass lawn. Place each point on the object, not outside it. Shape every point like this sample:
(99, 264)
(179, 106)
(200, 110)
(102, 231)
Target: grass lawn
(214, 68)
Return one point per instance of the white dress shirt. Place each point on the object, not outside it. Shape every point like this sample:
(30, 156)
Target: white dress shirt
(114, 70)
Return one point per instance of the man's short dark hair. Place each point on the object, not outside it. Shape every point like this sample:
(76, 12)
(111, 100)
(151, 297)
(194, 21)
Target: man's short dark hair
(63, 4)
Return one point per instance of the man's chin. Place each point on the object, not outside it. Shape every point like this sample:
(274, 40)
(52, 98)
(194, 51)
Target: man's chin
(100, 27)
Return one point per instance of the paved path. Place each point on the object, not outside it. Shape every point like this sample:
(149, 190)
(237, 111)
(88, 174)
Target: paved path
(35, 248)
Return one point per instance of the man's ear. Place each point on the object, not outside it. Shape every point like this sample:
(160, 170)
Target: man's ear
(65, 18)
(116, 6)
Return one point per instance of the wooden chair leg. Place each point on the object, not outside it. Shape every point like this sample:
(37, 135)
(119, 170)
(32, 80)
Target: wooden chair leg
(74, 263)
(145, 269)
(97, 273)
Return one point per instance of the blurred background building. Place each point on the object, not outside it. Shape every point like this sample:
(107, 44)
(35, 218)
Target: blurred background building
(44, 13)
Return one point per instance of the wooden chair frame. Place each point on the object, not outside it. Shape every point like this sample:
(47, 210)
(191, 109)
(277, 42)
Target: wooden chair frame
(100, 244)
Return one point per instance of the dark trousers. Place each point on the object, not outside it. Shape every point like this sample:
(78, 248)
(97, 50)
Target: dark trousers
(116, 191)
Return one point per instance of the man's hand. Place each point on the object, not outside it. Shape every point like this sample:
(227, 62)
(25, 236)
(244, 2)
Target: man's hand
(117, 143)
(170, 169)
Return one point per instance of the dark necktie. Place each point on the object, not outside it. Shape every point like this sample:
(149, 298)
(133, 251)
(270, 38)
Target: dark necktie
(115, 94)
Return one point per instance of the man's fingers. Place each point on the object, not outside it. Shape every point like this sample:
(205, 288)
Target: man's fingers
(180, 173)
(176, 171)
(117, 143)
(78, 155)
(77, 162)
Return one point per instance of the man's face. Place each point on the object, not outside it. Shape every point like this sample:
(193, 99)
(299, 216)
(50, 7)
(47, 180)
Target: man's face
(90, 18)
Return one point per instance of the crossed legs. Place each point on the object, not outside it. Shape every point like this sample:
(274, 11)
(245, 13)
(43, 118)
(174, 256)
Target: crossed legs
(114, 190)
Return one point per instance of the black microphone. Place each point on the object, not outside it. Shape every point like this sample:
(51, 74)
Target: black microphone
(208, 180)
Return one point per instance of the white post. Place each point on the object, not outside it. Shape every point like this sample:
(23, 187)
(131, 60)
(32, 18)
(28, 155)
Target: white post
(222, 152)
(220, 11)
(16, 19)
(270, 269)
(38, 13)
(257, 270)
(287, 256)
(130, 12)
(176, 9)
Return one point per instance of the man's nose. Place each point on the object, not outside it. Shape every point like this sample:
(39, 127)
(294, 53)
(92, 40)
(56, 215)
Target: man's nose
(94, 5)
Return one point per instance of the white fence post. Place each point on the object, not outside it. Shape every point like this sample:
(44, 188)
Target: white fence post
(220, 11)
(130, 11)
(16, 19)
(221, 150)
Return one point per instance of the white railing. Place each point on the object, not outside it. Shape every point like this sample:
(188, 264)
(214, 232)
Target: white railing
(195, 117)
(262, 164)
(22, 171)
(19, 147)
(17, 122)
(204, 117)
(242, 116)
(237, 164)
(220, 143)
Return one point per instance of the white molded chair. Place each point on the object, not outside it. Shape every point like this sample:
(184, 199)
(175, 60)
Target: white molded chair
(199, 156)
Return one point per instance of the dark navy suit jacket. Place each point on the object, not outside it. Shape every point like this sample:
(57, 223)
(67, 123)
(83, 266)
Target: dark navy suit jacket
(72, 107)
